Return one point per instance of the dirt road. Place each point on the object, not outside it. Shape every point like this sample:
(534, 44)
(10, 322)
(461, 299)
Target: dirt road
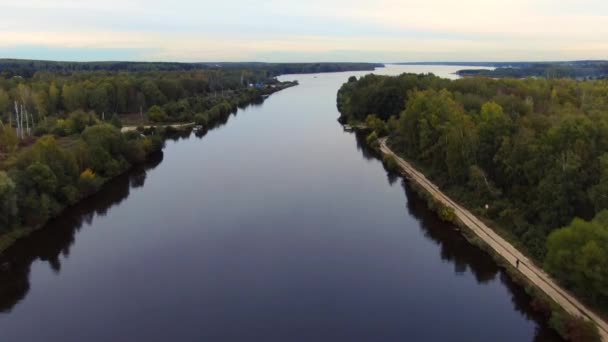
(132, 128)
(534, 274)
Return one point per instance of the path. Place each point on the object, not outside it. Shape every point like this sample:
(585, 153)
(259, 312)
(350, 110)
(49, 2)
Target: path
(132, 128)
(526, 267)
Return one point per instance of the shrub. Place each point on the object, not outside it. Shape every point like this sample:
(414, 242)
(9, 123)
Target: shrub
(377, 125)
(88, 183)
(573, 328)
(390, 163)
(372, 139)
(201, 119)
(447, 214)
(157, 114)
(70, 194)
(115, 121)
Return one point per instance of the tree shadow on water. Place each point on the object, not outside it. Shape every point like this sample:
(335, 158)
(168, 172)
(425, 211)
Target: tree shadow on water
(56, 238)
(454, 248)
(467, 257)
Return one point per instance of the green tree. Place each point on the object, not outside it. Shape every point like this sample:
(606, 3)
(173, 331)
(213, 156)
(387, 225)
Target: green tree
(577, 255)
(4, 102)
(493, 126)
(157, 114)
(40, 177)
(41, 102)
(54, 98)
(8, 139)
(79, 120)
(74, 97)
(8, 202)
(599, 192)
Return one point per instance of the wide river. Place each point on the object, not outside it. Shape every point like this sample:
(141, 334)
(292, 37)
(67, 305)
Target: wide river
(278, 226)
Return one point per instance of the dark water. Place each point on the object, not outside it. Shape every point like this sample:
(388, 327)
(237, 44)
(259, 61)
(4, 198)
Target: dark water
(278, 226)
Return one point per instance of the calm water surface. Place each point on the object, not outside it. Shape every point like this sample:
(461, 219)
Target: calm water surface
(278, 226)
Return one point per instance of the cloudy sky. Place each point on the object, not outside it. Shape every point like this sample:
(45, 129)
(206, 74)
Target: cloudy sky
(304, 30)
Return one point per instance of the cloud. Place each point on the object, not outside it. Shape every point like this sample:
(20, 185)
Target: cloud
(315, 30)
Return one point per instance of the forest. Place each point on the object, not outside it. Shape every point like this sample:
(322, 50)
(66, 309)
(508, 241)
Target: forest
(528, 155)
(575, 69)
(61, 139)
(28, 68)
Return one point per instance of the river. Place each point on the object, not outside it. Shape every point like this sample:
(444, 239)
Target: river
(277, 226)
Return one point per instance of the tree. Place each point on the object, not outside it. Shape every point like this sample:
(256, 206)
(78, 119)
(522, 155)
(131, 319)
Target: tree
(8, 139)
(8, 202)
(79, 120)
(157, 114)
(599, 192)
(493, 126)
(577, 254)
(74, 97)
(88, 182)
(374, 124)
(115, 121)
(4, 101)
(40, 178)
(54, 98)
(100, 98)
(41, 102)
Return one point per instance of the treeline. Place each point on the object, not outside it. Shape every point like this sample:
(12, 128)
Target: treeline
(28, 68)
(42, 103)
(60, 135)
(577, 70)
(530, 155)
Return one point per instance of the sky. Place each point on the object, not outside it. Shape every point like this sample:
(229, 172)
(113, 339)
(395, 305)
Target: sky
(305, 30)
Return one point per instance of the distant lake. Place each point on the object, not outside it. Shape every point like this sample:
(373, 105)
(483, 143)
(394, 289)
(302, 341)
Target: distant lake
(278, 226)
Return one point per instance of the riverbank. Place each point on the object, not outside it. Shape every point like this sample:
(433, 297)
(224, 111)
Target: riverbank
(513, 257)
(96, 184)
(214, 117)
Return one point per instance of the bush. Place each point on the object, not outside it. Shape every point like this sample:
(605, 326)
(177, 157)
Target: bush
(375, 124)
(185, 117)
(70, 194)
(447, 214)
(88, 183)
(8, 139)
(390, 163)
(157, 114)
(372, 139)
(115, 121)
(79, 120)
(135, 151)
(573, 328)
(201, 119)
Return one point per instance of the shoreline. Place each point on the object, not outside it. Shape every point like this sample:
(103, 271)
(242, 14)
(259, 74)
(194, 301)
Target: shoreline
(518, 262)
(8, 239)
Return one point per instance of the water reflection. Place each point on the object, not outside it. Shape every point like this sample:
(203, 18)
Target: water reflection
(55, 240)
(465, 257)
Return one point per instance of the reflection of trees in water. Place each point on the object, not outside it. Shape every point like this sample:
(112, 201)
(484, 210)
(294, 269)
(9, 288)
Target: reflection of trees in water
(367, 152)
(454, 247)
(522, 304)
(56, 238)
(457, 250)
